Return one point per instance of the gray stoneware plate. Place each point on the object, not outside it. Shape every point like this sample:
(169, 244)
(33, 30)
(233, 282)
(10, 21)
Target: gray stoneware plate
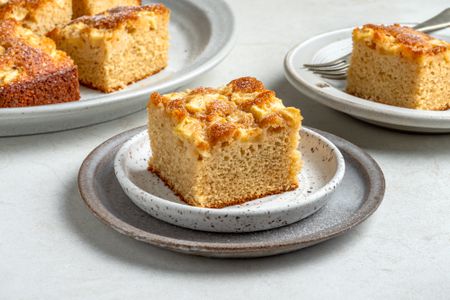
(202, 34)
(323, 170)
(331, 45)
(357, 197)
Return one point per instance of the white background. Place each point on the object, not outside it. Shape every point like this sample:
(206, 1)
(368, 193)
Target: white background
(52, 247)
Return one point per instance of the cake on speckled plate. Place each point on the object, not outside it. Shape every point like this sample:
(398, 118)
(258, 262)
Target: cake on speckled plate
(224, 146)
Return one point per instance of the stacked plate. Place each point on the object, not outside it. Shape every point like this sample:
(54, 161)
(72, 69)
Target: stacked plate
(340, 186)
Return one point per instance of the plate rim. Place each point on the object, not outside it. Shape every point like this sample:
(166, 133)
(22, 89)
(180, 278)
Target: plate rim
(374, 197)
(330, 186)
(209, 62)
(361, 107)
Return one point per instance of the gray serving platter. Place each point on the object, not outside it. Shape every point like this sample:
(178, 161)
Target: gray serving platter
(358, 196)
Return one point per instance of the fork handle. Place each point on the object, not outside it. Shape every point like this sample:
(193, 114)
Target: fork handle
(437, 22)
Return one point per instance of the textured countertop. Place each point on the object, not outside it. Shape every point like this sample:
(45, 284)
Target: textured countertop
(52, 247)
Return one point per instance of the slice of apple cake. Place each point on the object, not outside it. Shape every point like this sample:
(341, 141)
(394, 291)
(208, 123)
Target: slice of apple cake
(225, 146)
(117, 47)
(399, 66)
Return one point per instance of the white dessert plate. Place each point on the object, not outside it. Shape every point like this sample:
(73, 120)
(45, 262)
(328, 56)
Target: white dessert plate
(202, 34)
(331, 45)
(322, 172)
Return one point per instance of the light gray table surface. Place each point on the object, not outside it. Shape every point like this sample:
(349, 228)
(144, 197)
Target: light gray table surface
(52, 247)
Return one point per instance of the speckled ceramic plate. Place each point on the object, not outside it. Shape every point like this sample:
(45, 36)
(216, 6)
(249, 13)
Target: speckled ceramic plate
(329, 46)
(323, 170)
(201, 35)
(356, 198)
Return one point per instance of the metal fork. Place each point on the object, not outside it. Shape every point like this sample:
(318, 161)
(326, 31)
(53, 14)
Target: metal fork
(337, 69)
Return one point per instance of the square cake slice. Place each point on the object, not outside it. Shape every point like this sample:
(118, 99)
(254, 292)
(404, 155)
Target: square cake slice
(225, 146)
(93, 7)
(32, 70)
(399, 66)
(41, 16)
(117, 47)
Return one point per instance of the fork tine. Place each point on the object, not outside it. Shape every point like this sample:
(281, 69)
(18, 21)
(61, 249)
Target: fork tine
(328, 64)
(336, 67)
(335, 77)
(331, 72)
(339, 60)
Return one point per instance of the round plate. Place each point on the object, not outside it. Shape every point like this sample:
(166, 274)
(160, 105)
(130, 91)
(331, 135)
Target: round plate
(357, 197)
(202, 34)
(323, 170)
(329, 46)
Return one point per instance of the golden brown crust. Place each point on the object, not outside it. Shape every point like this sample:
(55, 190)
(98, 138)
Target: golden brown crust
(220, 132)
(218, 108)
(240, 110)
(32, 71)
(246, 85)
(28, 55)
(223, 204)
(112, 18)
(156, 99)
(273, 120)
(54, 88)
(264, 98)
(400, 39)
